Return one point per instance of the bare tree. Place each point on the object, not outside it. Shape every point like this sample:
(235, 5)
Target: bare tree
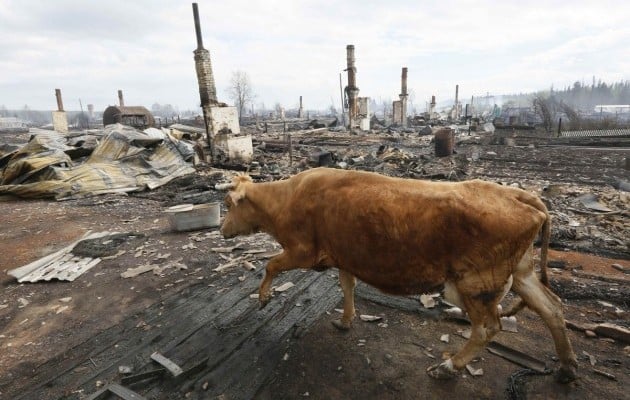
(573, 116)
(240, 91)
(543, 108)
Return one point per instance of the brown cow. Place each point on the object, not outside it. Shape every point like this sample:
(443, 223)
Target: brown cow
(408, 237)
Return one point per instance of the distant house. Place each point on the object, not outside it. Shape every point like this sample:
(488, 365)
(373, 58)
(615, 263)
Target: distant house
(135, 116)
(613, 108)
(12, 125)
(517, 116)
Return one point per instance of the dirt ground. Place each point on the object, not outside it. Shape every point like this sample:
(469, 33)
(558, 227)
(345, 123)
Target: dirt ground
(385, 359)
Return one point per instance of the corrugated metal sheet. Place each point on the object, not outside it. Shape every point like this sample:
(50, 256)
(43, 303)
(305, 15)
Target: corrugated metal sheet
(61, 265)
(44, 150)
(125, 160)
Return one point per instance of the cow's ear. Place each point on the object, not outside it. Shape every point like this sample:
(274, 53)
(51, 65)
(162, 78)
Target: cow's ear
(241, 178)
(236, 196)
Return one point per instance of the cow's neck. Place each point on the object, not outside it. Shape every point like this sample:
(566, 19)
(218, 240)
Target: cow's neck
(269, 198)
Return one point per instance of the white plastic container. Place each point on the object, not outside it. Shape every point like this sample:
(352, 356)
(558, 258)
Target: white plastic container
(189, 217)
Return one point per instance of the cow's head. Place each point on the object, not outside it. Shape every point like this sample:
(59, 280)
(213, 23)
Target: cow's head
(241, 218)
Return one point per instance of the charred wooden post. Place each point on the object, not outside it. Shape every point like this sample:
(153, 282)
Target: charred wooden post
(352, 91)
(290, 150)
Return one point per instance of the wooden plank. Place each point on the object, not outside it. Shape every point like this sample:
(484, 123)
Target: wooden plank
(262, 351)
(120, 391)
(173, 368)
(109, 344)
(398, 302)
(197, 322)
(517, 357)
(243, 315)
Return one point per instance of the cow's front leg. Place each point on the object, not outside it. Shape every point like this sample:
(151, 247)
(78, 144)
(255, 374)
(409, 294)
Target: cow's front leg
(282, 262)
(348, 282)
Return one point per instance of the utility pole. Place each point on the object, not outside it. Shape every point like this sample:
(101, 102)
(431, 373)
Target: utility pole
(343, 106)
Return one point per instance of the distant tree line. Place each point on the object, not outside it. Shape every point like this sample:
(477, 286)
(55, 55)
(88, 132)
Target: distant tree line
(580, 96)
(164, 110)
(574, 107)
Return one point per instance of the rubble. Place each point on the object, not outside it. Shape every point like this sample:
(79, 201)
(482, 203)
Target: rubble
(370, 318)
(613, 331)
(474, 371)
(556, 173)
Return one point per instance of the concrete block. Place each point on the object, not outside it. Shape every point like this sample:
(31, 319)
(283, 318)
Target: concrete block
(364, 124)
(237, 148)
(363, 107)
(60, 121)
(224, 120)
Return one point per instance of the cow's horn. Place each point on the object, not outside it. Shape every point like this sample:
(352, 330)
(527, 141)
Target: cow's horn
(224, 186)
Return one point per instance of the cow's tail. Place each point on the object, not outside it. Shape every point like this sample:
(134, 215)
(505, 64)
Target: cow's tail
(519, 304)
(544, 247)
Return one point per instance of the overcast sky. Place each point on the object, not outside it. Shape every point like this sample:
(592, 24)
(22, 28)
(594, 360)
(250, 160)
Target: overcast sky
(90, 49)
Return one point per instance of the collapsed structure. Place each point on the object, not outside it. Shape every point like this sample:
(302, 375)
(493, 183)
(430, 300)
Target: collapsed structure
(138, 117)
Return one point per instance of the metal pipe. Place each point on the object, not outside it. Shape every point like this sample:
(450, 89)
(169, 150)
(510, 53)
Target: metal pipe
(121, 100)
(341, 92)
(59, 100)
(197, 26)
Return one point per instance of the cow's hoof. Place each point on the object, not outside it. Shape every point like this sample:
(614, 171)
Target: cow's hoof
(263, 301)
(442, 371)
(566, 374)
(342, 326)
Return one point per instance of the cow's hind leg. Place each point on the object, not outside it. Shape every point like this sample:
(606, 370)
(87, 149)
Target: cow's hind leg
(484, 317)
(546, 304)
(348, 282)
